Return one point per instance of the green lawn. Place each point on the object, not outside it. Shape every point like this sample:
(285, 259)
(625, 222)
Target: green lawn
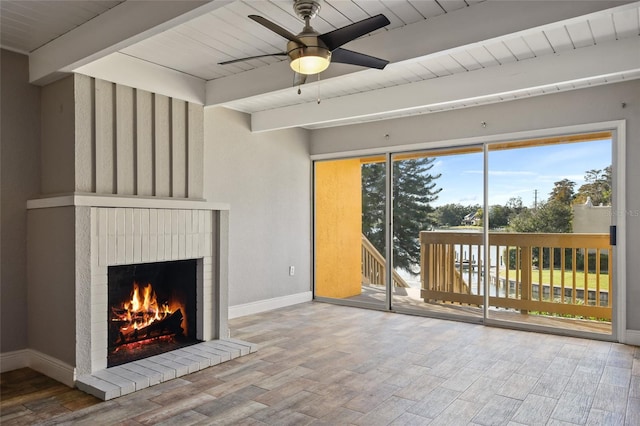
(568, 278)
(460, 227)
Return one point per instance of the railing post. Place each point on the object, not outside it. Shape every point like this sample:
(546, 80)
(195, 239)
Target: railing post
(525, 276)
(426, 269)
(437, 285)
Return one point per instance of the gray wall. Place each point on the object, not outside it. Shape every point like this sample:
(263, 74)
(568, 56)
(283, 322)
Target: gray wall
(597, 104)
(58, 142)
(19, 181)
(51, 295)
(266, 179)
(107, 138)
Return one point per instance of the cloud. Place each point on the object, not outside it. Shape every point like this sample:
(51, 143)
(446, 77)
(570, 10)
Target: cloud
(502, 172)
(512, 173)
(470, 199)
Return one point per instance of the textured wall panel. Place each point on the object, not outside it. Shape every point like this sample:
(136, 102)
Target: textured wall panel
(105, 137)
(178, 148)
(195, 148)
(133, 142)
(85, 126)
(162, 141)
(144, 143)
(125, 140)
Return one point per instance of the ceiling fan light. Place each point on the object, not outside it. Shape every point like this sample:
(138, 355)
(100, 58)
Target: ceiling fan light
(310, 64)
(310, 60)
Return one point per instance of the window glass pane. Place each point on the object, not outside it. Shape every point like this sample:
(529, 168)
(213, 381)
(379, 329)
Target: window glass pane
(549, 216)
(437, 225)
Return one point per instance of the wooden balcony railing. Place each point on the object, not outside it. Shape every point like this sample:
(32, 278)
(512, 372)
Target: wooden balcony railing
(374, 266)
(563, 274)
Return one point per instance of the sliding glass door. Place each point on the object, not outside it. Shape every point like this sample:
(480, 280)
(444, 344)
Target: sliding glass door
(511, 232)
(550, 209)
(437, 232)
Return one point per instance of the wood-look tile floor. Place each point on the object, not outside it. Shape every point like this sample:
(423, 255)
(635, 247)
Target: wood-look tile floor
(325, 364)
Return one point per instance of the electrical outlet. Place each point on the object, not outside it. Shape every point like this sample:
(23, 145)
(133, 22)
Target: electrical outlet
(292, 271)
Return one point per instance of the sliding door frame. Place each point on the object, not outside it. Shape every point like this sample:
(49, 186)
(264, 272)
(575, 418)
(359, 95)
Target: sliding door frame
(618, 141)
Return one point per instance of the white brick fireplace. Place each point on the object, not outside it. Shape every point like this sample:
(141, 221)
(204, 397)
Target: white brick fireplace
(75, 238)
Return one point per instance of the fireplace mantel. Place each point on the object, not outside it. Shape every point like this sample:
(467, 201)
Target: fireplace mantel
(100, 200)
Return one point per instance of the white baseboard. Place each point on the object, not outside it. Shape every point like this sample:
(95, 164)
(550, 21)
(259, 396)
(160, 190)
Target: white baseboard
(13, 360)
(632, 337)
(45, 364)
(53, 368)
(269, 304)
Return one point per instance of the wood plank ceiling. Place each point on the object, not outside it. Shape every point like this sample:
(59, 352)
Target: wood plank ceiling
(27, 25)
(226, 33)
(197, 46)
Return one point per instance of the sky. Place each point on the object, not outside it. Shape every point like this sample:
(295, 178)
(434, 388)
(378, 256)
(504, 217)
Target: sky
(518, 172)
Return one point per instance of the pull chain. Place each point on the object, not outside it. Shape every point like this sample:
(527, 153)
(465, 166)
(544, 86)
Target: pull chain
(300, 86)
(299, 80)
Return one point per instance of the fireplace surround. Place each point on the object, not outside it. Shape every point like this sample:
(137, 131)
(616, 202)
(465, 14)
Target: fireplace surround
(74, 239)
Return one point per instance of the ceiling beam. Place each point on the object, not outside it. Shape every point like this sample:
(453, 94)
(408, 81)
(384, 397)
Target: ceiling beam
(608, 59)
(117, 28)
(480, 22)
(128, 71)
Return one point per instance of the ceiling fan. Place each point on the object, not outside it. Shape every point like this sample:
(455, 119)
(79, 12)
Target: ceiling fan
(310, 52)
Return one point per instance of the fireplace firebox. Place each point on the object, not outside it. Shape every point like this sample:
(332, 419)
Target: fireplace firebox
(152, 309)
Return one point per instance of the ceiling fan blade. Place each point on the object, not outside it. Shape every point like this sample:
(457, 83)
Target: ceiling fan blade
(233, 61)
(345, 56)
(276, 29)
(337, 38)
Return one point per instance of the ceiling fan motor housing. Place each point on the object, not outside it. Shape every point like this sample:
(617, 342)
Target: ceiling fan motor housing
(313, 48)
(306, 8)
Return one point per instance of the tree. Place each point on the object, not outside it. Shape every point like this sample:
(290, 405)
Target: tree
(498, 216)
(523, 221)
(373, 203)
(479, 217)
(515, 205)
(452, 214)
(562, 191)
(554, 217)
(414, 189)
(551, 216)
(598, 187)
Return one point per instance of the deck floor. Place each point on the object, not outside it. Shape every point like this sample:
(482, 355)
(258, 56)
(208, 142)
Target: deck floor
(409, 299)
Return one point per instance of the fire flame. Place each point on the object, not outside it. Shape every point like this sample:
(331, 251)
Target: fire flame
(143, 308)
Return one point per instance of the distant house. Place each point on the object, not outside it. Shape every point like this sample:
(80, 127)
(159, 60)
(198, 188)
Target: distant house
(471, 219)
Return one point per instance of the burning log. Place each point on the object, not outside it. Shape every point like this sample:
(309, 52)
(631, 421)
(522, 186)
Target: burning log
(167, 326)
(142, 317)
